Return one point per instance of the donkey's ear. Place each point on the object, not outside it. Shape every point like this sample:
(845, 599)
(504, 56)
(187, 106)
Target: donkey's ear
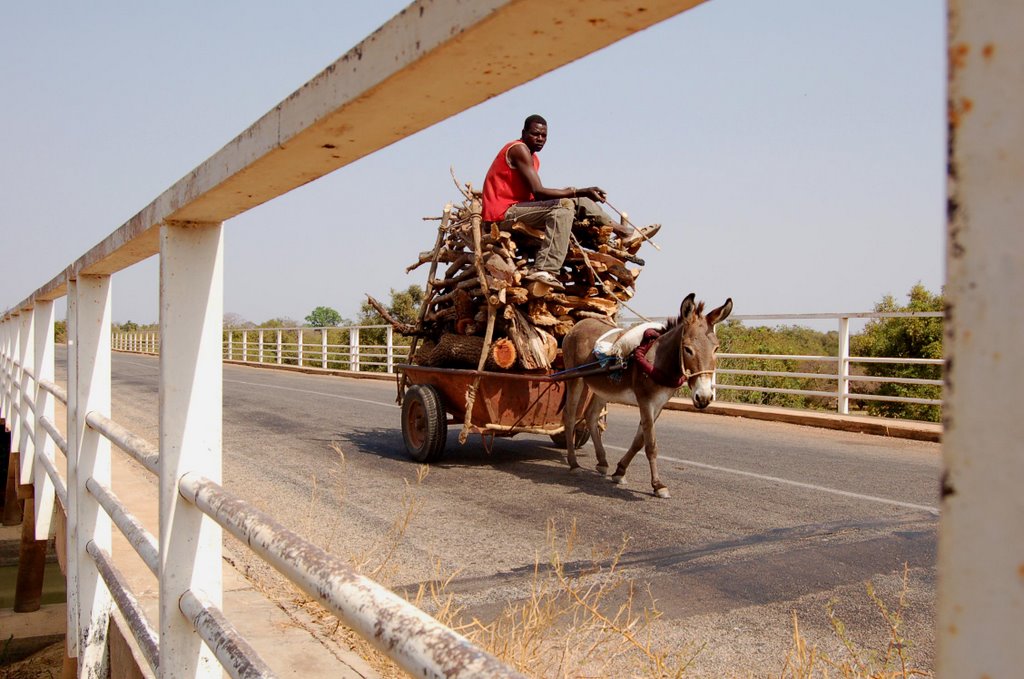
(720, 314)
(687, 307)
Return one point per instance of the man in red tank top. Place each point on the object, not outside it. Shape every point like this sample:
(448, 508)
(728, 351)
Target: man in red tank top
(513, 193)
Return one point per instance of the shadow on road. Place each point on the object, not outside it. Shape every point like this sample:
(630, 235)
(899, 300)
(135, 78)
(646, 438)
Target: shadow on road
(531, 458)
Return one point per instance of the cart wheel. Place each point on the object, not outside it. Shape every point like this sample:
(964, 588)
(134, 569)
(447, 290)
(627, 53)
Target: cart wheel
(582, 436)
(424, 423)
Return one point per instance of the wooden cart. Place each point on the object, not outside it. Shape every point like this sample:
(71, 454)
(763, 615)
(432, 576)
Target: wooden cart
(505, 404)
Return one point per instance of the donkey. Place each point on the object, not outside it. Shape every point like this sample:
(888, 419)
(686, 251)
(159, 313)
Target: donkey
(684, 353)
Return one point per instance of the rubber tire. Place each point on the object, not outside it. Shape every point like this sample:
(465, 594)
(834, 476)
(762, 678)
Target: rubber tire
(582, 436)
(424, 423)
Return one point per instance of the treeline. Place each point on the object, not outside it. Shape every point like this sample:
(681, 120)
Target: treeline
(404, 305)
(885, 337)
(888, 337)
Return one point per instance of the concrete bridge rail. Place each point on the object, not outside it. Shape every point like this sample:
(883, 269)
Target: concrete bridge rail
(373, 96)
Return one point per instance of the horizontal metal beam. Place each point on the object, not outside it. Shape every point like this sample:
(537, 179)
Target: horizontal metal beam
(236, 656)
(416, 642)
(431, 61)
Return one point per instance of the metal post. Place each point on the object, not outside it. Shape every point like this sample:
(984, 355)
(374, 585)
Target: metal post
(389, 333)
(93, 525)
(260, 341)
(231, 354)
(299, 347)
(843, 366)
(4, 352)
(245, 346)
(191, 375)
(279, 346)
(353, 349)
(981, 548)
(25, 444)
(43, 368)
(323, 347)
(71, 427)
(13, 393)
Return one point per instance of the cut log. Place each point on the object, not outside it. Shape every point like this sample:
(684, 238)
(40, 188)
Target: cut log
(539, 314)
(529, 343)
(503, 353)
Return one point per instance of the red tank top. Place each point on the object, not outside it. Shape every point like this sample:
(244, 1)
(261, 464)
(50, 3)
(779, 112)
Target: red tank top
(504, 185)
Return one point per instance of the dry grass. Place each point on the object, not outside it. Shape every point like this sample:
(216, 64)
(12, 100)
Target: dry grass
(805, 661)
(587, 621)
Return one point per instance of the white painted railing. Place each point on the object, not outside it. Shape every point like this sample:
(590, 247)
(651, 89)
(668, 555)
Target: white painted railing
(269, 346)
(385, 89)
(186, 556)
(843, 362)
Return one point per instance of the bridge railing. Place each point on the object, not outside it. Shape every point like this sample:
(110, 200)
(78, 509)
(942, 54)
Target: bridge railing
(841, 366)
(193, 507)
(313, 347)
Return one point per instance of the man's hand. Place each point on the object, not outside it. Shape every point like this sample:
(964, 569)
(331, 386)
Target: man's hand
(593, 193)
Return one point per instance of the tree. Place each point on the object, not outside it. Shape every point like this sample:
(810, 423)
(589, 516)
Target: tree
(233, 320)
(280, 322)
(904, 338)
(405, 306)
(323, 317)
(737, 338)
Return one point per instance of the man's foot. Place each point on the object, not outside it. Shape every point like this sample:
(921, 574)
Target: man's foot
(635, 237)
(545, 277)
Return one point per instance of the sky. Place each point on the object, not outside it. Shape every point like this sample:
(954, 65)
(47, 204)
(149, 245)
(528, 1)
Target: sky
(793, 150)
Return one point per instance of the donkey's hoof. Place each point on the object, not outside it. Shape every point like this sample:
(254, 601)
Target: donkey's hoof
(575, 469)
(663, 492)
(620, 480)
(602, 469)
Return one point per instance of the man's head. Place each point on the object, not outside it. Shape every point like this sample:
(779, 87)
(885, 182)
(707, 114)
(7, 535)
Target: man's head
(535, 132)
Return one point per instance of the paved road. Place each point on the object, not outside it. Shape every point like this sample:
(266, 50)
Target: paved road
(765, 518)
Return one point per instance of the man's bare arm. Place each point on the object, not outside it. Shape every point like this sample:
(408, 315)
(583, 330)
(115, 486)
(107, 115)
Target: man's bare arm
(522, 161)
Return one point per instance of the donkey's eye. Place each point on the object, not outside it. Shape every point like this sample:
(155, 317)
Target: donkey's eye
(688, 350)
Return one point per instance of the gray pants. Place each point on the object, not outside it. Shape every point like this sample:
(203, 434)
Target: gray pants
(556, 216)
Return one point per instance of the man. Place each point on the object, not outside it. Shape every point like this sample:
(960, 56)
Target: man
(513, 192)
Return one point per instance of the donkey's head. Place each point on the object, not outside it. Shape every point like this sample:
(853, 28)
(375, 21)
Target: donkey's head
(697, 346)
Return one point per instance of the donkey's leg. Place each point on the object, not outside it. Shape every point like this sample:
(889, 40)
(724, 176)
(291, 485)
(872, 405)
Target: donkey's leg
(573, 391)
(593, 415)
(634, 448)
(648, 416)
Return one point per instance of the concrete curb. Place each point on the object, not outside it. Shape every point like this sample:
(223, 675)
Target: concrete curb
(878, 426)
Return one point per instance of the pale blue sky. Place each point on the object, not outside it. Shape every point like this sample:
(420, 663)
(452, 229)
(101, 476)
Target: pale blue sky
(793, 149)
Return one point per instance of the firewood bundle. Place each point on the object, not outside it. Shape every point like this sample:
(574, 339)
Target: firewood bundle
(479, 310)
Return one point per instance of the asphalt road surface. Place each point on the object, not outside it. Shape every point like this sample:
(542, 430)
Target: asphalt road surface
(765, 520)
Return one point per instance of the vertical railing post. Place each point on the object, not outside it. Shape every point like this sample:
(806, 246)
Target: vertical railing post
(93, 524)
(4, 328)
(245, 346)
(231, 353)
(259, 340)
(323, 347)
(353, 349)
(14, 382)
(25, 444)
(843, 366)
(71, 427)
(43, 367)
(299, 346)
(279, 336)
(389, 333)
(191, 372)
(980, 548)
